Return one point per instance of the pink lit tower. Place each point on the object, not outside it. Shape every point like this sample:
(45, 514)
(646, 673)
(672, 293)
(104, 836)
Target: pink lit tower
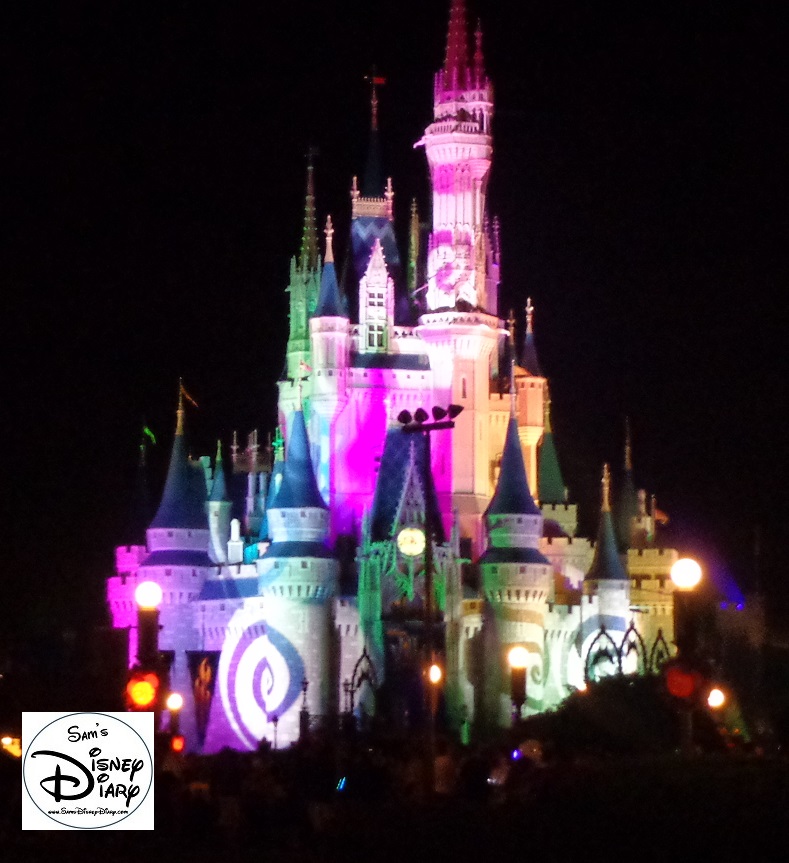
(460, 326)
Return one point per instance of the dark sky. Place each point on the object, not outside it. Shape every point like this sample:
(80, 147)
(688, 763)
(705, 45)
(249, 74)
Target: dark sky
(154, 160)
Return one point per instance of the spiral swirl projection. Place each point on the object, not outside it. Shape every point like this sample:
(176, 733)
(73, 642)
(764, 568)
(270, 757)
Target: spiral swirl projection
(260, 674)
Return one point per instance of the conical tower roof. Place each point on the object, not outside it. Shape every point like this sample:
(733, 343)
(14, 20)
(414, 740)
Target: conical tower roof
(529, 359)
(550, 483)
(512, 495)
(330, 300)
(182, 504)
(219, 486)
(606, 565)
(299, 488)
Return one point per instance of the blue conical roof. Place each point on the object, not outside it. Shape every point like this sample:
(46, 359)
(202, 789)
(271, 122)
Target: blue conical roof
(529, 359)
(183, 498)
(512, 495)
(299, 489)
(330, 301)
(606, 565)
(219, 486)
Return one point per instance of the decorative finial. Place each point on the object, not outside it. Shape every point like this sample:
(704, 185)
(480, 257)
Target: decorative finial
(529, 316)
(308, 254)
(329, 231)
(606, 502)
(179, 413)
(546, 411)
(511, 327)
(513, 394)
(375, 81)
(628, 447)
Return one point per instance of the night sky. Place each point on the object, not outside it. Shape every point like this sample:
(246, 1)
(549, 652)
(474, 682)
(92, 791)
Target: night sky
(154, 159)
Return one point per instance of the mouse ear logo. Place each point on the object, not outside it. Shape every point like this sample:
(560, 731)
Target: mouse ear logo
(87, 771)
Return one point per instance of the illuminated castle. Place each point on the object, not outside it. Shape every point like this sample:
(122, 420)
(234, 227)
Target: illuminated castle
(257, 620)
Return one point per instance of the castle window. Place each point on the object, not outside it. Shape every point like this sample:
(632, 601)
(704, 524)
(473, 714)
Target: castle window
(375, 336)
(376, 298)
(463, 388)
(168, 572)
(304, 564)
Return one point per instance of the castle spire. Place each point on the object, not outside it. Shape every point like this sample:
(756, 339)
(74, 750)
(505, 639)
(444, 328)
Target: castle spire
(550, 483)
(219, 486)
(299, 488)
(512, 495)
(529, 358)
(606, 564)
(330, 300)
(183, 498)
(308, 254)
(456, 58)
(513, 395)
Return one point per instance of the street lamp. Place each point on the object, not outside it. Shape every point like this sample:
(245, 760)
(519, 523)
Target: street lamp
(174, 703)
(518, 659)
(716, 698)
(686, 576)
(148, 596)
(443, 418)
(686, 573)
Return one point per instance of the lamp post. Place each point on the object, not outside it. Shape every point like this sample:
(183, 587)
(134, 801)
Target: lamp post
(174, 703)
(518, 660)
(148, 596)
(686, 576)
(443, 418)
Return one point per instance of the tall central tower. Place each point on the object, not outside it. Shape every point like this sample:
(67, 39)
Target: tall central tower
(460, 327)
(459, 148)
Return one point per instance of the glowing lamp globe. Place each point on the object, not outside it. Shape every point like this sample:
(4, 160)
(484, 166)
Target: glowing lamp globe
(686, 573)
(434, 674)
(148, 595)
(716, 698)
(175, 701)
(177, 743)
(6, 741)
(518, 657)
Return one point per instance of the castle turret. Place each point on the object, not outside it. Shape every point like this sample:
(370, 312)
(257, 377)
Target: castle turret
(607, 577)
(297, 578)
(330, 336)
(516, 579)
(218, 508)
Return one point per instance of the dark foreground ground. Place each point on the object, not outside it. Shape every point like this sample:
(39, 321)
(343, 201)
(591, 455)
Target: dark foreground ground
(287, 808)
